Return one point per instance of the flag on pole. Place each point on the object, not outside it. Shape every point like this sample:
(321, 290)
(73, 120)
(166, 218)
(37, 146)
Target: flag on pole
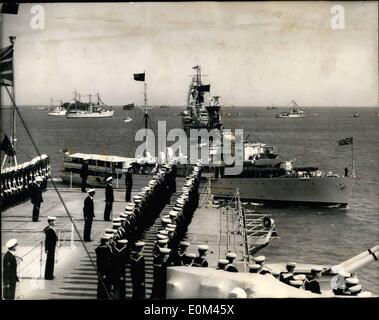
(7, 147)
(9, 8)
(139, 76)
(345, 141)
(6, 66)
(204, 88)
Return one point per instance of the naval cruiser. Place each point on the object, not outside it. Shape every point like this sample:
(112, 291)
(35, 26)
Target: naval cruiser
(267, 178)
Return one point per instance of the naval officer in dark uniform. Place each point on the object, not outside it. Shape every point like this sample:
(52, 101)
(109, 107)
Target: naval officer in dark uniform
(10, 277)
(260, 260)
(50, 245)
(109, 199)
(89, 214)
(137, 271)
(84, 174)
(128, 184)
(36, 198)
(103, 262)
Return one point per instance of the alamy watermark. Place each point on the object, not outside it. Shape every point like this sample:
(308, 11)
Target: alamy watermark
(212, 147)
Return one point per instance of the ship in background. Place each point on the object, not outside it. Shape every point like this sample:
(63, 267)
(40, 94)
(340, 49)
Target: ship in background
(78, 109)
(56, 110)
(202, 112)
(294, 112)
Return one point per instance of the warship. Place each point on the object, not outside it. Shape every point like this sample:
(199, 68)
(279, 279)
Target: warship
(264, 177)
(295, 112)
(201, 113)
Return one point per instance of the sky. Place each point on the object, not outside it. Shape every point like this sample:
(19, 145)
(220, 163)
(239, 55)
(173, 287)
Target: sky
(253, 54)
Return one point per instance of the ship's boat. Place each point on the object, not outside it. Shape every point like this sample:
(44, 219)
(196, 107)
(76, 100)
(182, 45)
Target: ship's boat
(102, 166)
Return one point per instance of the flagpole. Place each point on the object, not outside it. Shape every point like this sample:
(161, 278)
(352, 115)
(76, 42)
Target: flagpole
(145, 106)
(352, 155)
(14, 139)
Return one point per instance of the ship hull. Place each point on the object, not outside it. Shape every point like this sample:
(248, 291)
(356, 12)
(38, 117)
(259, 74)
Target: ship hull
(311, 191)
(105, 114)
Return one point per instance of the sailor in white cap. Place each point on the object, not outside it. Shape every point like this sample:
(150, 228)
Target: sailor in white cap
(160, 274)
(261, 261)
(137, 271)
(104, 264)
(50, 245)
(222, 263)
(89, 214)
(355, 290)
(109, 199)
(311, 282)
(287, 276)
(10, 277)
(201, 261)
(254, 268)
(230, 267)
(128, 183)
(178, 257)
(36, 197)
(119, 260)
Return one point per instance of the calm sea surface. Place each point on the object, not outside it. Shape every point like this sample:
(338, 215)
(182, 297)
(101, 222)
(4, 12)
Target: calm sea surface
(323, 235)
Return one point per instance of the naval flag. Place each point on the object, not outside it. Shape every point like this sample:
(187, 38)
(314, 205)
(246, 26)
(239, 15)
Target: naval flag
(345, 141)
(7, 147)
(139, 76)
(6, 66)
(204, 88)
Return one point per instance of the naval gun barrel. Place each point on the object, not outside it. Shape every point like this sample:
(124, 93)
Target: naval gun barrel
(360, 260)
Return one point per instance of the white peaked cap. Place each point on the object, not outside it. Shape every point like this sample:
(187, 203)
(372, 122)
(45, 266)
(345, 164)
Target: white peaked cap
(11, 243)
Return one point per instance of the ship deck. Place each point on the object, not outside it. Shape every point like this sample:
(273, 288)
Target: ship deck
(75, 275)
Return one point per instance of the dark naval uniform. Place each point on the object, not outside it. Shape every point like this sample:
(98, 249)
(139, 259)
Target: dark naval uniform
(160, 278)
(119, 259)
(109, 199)
(9, 276)
(36, 198)
(84, 176)
(50, 245)
(128, 185)
(311, 284)
(88, 211)
(230, 267)
(286, 277)
(137, 271)
(103, 261)
(200, 262)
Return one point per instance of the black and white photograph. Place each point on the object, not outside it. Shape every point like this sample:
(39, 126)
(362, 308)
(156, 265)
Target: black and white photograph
(189, 150)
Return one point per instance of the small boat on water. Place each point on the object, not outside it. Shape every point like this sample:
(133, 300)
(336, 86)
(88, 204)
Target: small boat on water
(78, 109)
(295, 112)
(129, 106)
(127, 119)
(355, 115)
(58, 110)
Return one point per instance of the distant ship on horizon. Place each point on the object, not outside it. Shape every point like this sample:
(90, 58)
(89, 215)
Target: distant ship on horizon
(78, 109)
